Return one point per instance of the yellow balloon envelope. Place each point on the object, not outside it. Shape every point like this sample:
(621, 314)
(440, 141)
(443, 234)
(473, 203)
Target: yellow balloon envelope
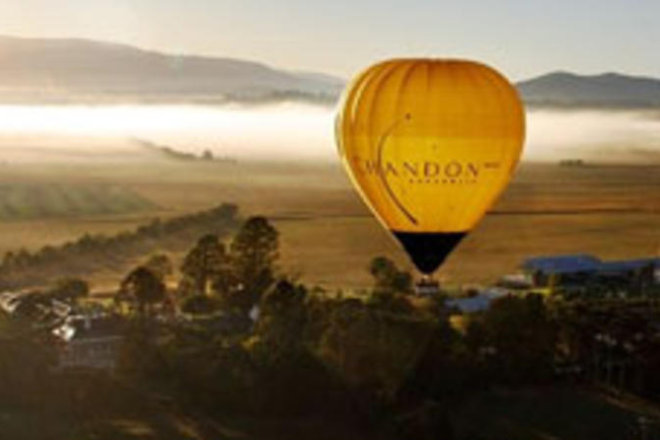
(430, 145)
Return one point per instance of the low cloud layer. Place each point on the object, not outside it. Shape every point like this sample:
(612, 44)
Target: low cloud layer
(603, 136)
(293, 132)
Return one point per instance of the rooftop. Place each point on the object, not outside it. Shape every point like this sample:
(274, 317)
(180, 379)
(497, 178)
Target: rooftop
(566, 264)
(84, 327)
(563, 263)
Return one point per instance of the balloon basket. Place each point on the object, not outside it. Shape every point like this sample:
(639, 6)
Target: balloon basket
(427, 287)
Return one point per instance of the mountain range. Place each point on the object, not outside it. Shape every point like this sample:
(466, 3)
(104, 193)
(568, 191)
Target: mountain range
(57, 70)
(75, 70)
(564, 89)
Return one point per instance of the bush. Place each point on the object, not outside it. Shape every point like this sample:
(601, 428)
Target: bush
(201, 304)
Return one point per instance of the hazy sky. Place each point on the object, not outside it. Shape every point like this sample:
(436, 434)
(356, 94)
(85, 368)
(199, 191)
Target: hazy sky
(520, 37)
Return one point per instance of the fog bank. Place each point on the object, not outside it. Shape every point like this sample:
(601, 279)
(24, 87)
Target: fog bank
(288, 132)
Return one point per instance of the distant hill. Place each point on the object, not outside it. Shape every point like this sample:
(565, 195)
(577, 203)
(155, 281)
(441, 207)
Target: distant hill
(82, 70)
(74, 70)
(563, 89)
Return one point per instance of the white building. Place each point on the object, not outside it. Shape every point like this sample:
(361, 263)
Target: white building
(89, 342)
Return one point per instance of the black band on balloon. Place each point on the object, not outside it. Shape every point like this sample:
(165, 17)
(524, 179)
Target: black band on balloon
(428, 250)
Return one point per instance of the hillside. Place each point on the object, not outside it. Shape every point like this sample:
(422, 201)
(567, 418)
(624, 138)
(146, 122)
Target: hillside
(81, 70)
(563, 89)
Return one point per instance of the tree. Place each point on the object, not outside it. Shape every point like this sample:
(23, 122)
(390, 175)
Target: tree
(26, 365)
(160, 265)
(70, 289)
(207, 155)
(144, 287)
(31, 305)
(282, 318)
(372, 349)
(206, 261)
(254, 251)
(519, 336)
(388, 278)
(200, 304)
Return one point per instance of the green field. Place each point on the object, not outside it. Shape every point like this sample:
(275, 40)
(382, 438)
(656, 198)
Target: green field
(328, 236)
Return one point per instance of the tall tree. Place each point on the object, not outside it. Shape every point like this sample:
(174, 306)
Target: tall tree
(254, 252)
(206, 261)
(144, 287)
(521, 335)
(371, 348)
(160, 264)
(388, 278)
(282, 318)
(70, 289)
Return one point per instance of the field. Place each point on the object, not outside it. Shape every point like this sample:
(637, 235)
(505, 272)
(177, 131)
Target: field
(328, 236)
(33, 201)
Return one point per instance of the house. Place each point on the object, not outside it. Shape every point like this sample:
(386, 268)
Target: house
(9, 301)
(460, 307)
(85, 340)
(642, 272)
(89, 341)
(562, 269)
(579, 271)
(42, 310)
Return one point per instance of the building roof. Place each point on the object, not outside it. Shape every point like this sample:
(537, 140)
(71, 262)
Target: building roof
(9, 301)
(629, 265)
(563, 264)
(85, 327)
(566, 264)
(478, 302)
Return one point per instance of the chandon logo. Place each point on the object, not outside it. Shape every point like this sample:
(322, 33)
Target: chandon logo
(452, 171)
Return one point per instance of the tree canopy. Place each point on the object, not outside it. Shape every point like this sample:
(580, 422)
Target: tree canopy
(205, 261)
(144, 287)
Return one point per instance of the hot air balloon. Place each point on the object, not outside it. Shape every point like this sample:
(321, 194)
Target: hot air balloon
(430, 144)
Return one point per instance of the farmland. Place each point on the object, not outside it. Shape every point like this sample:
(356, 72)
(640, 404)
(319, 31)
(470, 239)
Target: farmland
(327, 235)
(35, 201)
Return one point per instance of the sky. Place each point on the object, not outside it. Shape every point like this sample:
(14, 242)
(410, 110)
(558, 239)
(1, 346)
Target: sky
(522, 38)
